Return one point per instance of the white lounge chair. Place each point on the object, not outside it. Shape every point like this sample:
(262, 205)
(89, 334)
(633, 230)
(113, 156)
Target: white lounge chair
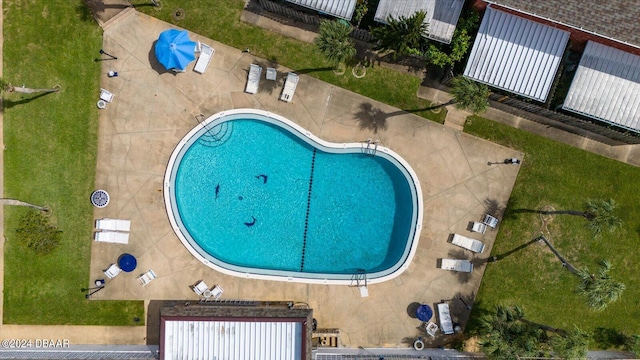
(253, 79)
(445, 318)
(364, 291)
(456, 265)
(289, 87)
(112, 237)
(113, 224)
(200, 288)
(468, 243)
(216, 292)
(490, 221)
(206, 53)
(112, 271)
(147, 277)
(479, 227)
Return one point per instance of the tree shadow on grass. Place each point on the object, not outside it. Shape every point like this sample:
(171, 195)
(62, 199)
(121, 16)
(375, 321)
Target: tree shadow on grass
(607, 338)
(8, 103)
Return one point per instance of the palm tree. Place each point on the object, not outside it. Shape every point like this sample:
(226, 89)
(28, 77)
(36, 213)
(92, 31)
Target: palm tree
(572, 345)
(600, 214)
(600, 289)
(7, 87)
(403, 36)
(334, 42)
(505, 336)
(469, 95)
(632, 344)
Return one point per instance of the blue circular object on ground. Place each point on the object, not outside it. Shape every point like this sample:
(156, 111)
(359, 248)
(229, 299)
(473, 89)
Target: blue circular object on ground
(127, 262)
(424, 312)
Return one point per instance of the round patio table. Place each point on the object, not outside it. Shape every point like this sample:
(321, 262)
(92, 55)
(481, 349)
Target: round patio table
(424, 312)
(100, 198)
(127, 262)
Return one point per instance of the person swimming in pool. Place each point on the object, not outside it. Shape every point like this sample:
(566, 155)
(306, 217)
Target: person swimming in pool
(250, 224)
(217, 191)
(264, 178)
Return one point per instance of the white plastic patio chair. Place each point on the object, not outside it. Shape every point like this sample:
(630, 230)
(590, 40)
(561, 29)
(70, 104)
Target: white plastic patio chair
(147, 277)
(216, 291)
(431, 328)
(112, 237)
(468, 243)
(272, 74)
(456, 265)
(289, 87)
(206, 53)
(479, 227)
(490, 221)
(112, 271)
(253, 79)
(113, 224)
(200, 288)
(106, 95)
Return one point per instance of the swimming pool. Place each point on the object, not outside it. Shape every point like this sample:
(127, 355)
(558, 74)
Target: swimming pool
(252, 194)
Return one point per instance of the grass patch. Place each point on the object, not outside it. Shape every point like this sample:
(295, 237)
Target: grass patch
(564, 177)
(50, 159)
(220, 20)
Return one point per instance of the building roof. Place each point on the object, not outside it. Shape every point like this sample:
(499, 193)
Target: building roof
(339, 8)
(616, 19)
(516, 54)
(234, 331)
(606, 86)
(442, 15)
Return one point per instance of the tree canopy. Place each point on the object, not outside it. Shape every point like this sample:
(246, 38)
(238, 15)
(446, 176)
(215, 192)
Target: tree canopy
(334, 42)
(600, 289)
(36, 232)
(469, 95)
(403, 36)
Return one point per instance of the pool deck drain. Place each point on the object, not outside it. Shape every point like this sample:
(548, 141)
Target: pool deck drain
(154, 109)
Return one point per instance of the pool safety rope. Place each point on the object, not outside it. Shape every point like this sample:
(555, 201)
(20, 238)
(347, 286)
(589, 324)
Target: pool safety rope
(306, 217)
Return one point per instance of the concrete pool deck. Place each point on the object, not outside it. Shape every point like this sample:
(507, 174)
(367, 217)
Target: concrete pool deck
(153, 109)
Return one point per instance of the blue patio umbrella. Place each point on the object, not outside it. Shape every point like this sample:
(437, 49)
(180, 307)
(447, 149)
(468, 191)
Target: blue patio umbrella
(174, 49)
(127, 262)
(424, 312)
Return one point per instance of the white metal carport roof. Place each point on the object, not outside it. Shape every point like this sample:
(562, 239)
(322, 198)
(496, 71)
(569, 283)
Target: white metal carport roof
(228, 339)
(606, 86)
(339, 8)
(516, 54)
(442, 15)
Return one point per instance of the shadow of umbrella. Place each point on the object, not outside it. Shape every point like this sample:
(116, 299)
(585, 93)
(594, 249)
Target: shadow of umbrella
(411, 309)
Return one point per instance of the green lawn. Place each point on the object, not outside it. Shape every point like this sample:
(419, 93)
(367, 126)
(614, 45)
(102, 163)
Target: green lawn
(50, 159)
(563, 177)
(220, 20)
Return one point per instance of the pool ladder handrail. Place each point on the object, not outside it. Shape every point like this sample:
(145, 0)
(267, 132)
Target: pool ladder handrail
(372, 150)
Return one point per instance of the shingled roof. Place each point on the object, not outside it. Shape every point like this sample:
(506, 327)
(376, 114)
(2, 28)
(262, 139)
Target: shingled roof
(617, 19)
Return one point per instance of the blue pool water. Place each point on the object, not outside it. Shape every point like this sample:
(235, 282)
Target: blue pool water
(253, 195)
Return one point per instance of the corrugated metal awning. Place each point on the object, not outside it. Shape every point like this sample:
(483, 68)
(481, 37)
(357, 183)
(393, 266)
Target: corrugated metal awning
(516, 54)
(442, 15)
(606, 86)
(339, 8)
(209, 340)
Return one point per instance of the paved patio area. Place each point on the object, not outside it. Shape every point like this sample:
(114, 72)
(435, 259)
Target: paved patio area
(153, 109)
